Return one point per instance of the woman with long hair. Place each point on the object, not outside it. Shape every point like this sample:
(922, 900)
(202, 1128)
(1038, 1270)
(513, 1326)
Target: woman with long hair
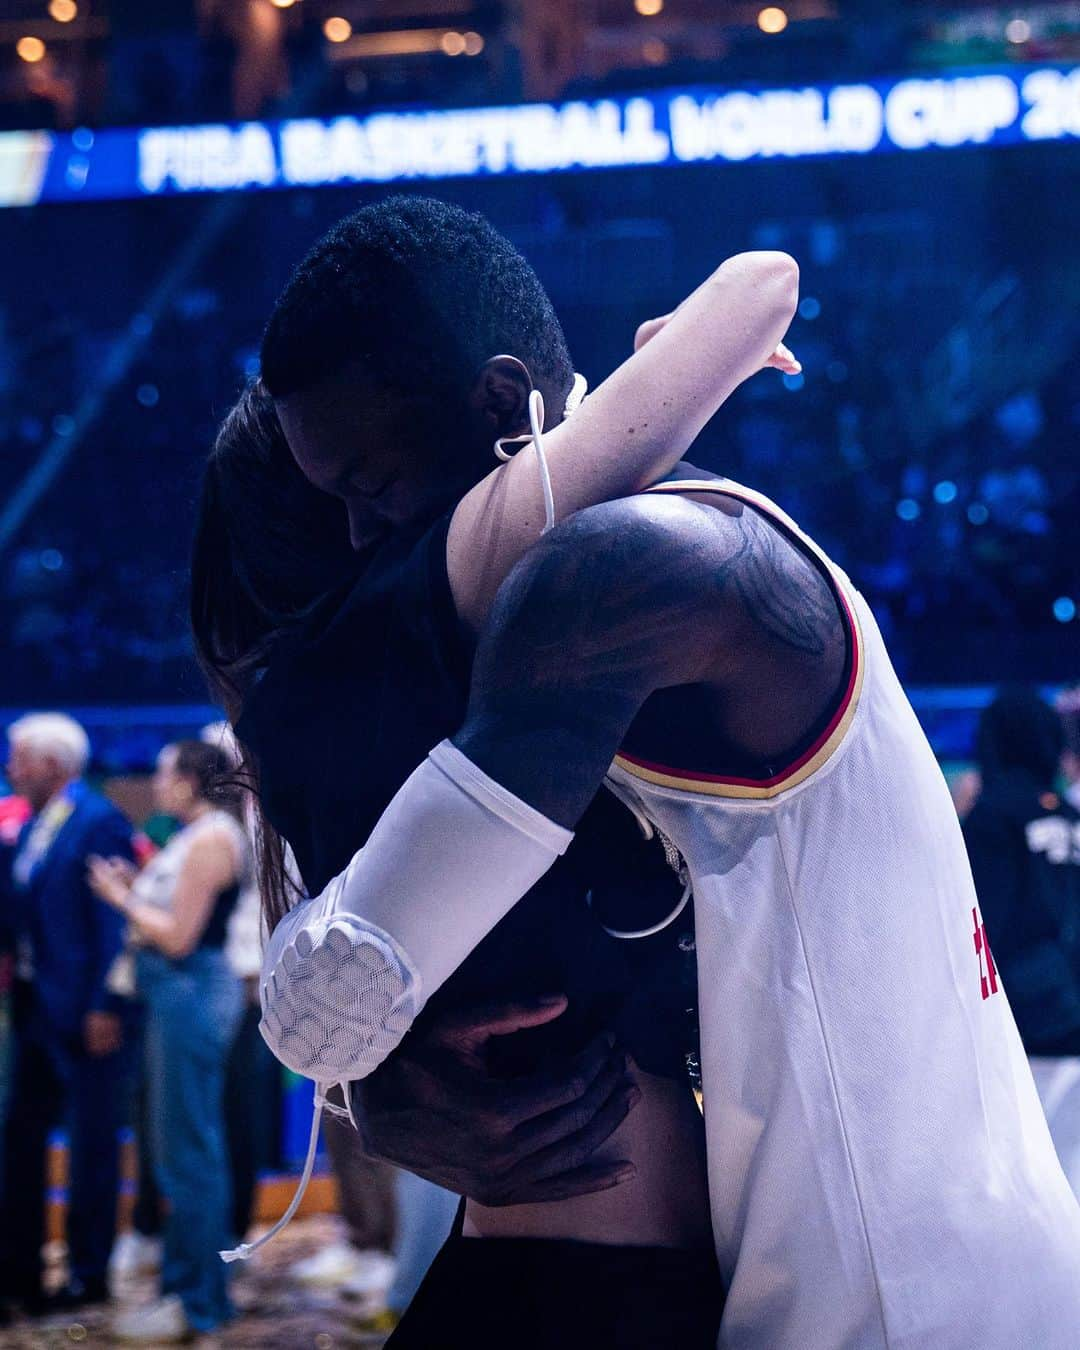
(178, 908)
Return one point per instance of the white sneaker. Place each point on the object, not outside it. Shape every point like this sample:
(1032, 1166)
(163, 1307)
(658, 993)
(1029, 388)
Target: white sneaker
(373, 1276)
(162, 1323)
(134, 1254)
(328, 1268)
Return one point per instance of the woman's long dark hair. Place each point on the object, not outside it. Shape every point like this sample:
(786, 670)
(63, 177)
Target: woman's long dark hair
(268, 546)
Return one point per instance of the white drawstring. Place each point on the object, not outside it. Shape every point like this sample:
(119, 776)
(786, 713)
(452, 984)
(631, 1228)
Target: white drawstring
(578, 390)
(631, 934)
(247, 1249)
(536, 426)
(671, 854)
(620, 794)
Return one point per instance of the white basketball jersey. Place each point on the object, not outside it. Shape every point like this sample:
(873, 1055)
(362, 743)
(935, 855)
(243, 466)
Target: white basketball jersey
(880, 1171)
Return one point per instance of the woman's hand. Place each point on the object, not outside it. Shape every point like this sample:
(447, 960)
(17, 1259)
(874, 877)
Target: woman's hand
(784, 360)
(110, 879)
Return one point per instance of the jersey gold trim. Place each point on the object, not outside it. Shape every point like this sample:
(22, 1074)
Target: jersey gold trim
(828, 742)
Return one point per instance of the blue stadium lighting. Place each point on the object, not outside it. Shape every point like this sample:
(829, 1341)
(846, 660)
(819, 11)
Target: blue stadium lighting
(978, 514)
(698, 125)
(794, 382)
(1064, 609)
(148, 395)
(809, 307)
(908, 509)
(945, 492)
(82, 138)
(63, 425)
(51, 559)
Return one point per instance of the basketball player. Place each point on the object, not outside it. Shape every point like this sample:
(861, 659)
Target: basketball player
(880, 1173)
(386, 327)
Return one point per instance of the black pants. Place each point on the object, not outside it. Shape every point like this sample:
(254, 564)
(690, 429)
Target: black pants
(55, 1082)
(489, 1294)
(252, 1115)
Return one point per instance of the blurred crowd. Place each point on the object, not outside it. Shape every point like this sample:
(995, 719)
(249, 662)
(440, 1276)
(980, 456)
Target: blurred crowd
(130, 958)
(1021, 818)
(130, 964)
(931, 443)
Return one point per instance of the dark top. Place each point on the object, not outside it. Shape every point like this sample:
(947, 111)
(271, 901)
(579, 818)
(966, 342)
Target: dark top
(1024, 845)
(217, 926)
(70, 936)
(347, 710)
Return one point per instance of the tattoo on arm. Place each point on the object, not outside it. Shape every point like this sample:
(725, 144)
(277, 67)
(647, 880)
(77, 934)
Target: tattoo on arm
(619, 601)
(783, 592)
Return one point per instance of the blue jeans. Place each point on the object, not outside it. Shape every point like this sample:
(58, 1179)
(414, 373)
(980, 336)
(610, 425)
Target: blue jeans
(193, 1010)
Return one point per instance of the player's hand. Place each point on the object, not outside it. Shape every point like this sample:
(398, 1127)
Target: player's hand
(435, 1110)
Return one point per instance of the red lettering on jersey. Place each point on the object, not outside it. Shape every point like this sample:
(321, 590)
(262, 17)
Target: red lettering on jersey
(988, 982)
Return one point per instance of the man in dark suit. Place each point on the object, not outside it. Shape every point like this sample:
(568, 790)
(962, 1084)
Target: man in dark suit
(68, 1029)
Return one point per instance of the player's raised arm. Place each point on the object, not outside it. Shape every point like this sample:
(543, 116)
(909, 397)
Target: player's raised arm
(636, 425)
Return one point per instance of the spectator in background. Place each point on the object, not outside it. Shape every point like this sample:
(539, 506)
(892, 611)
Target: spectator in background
(252, 1104)
(14, 813)
(1023, 840)
(179, 907)
(1069, 708)
(68, 1030)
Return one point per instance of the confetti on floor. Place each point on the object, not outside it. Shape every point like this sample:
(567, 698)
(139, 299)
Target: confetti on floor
(274, 1313)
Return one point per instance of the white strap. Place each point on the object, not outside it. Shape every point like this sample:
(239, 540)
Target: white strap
(247, 1249)
(536, 425)
(574, 398)
(674, 859)
(630, 934)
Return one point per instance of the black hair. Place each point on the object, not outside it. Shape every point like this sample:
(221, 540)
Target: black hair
(422, 293)
(267, 548)
(1020, 731)
(208, 766)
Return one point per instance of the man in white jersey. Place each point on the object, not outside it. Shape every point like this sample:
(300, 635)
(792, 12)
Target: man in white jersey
(880, 1171)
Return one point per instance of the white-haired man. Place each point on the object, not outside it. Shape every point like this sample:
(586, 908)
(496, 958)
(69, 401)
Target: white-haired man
(68, 1029)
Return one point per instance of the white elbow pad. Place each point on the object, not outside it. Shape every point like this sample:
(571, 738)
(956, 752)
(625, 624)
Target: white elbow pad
(345, 974)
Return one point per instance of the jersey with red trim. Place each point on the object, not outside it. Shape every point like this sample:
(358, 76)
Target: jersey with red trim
(880, 1171)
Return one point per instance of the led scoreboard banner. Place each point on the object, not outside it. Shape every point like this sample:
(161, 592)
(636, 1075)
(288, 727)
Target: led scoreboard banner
(678, 126)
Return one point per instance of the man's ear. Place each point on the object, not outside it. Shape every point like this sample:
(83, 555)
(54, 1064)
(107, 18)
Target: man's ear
(500, 393)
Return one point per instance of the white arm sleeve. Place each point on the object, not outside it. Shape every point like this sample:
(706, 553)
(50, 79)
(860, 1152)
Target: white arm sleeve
(346, 973)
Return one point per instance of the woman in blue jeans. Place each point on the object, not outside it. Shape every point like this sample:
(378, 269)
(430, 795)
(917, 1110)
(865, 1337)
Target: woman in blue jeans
(179, 909)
